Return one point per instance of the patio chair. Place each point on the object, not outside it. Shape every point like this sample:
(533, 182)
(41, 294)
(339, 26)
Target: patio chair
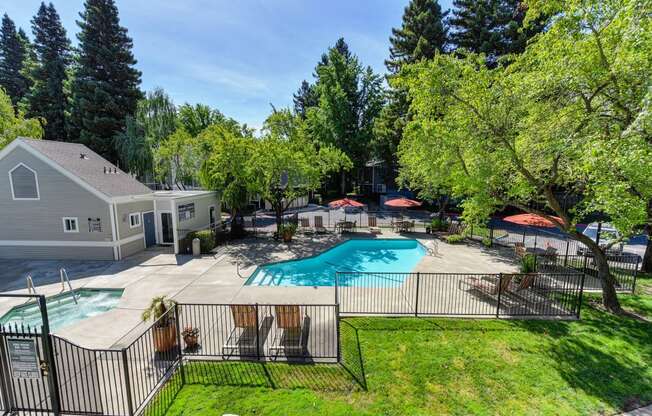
(319, 224)
(373, 225)
(288, 337)
(527, 280)
(305, 225)
(243, 338)
(488, 285)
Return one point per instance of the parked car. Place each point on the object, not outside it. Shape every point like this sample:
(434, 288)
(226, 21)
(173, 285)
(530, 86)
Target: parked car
(608, 234)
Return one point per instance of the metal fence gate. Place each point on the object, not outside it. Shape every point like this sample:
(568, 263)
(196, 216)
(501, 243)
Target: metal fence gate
(28, 378)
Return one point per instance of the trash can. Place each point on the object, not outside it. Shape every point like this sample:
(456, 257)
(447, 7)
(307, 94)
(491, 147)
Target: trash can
(196, 247)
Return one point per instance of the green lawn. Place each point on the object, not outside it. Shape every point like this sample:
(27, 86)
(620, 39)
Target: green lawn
(598, 365)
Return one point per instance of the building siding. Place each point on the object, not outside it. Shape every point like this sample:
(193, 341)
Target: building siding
(123, 210)
(41, 220)
(56, 253)
(132, 248)
(201, 219)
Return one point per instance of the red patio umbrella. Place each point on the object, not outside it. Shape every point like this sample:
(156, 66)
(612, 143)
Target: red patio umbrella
(345, 202)
(532, 220)
(402, 203)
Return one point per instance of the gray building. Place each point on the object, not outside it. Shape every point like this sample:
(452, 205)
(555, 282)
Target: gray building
(62, 200)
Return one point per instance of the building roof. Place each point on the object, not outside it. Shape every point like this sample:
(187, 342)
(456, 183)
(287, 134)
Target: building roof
(88, 166)
(175, 194)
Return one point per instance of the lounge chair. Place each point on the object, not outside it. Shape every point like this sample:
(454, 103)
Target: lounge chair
(243, 338)
(527, 280)
(488, 285)
(305, 225)
(373, 225)
(288, 337)
(319, 224)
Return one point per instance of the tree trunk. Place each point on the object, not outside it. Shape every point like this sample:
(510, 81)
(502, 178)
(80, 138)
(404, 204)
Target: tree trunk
(237, 223)
(646, 267)
(443, 204)
(607, 281)
(278, 210)
(343, 182)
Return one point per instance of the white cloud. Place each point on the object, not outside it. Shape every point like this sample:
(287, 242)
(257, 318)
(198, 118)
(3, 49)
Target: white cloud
(225, 77)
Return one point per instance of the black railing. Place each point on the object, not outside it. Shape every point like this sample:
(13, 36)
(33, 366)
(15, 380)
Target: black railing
(455, 294)
(623, 268)
(255, 332)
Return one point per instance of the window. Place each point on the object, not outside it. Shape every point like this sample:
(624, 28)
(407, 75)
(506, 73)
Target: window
(134, 220)
(24, 183)
(186, 211)
(70, 225)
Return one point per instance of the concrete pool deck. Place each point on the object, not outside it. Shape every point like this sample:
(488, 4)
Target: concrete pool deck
(217, 278)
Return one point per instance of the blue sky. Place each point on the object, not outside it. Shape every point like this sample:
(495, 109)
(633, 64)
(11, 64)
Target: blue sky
(238, 56)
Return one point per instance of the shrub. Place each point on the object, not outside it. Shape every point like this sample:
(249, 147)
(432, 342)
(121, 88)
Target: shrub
(437, 224)
(206, 240)
(528, 263)
(454, 238)
(486, 241)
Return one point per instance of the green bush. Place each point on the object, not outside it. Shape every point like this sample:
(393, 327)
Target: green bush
(528, 263)
(455, 239)
(206, 240)
(486, 241)
(437, 224)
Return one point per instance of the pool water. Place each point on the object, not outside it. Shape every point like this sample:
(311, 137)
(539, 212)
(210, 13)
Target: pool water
(62, 309)
(377, 256)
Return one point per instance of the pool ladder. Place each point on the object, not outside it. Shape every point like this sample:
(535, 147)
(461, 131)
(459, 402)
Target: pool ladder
(64, 279)
(30, 285)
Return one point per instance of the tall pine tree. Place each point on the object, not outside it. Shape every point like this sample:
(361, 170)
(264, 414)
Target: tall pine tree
(47, 98)
(105, 89)
(422, 34)
(305, 97)
(13, 54)
(492, 27)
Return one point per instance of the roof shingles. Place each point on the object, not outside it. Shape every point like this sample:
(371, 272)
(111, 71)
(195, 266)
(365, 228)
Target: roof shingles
(90, 169)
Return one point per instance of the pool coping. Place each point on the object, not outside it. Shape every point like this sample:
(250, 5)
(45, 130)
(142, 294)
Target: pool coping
(246, 282)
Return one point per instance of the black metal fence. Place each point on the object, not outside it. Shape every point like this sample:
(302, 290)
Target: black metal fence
(455, 294)
(117, 382)
(624, 269)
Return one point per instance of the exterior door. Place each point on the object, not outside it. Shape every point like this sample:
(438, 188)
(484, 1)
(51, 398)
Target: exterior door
(211, 215)
(166, 228)
(150, 229)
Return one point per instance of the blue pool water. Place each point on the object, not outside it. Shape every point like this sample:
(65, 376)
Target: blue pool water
(377, 256)
(62, 309)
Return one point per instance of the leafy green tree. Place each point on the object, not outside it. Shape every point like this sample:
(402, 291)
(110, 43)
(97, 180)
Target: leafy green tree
(571, 113)
(105, 88)
(196, 118)
(13, 125)
(350, 98)
(13, 54)
(285, 151)
(154, 120)
(181, 155)
(47, 98)
(422, 34)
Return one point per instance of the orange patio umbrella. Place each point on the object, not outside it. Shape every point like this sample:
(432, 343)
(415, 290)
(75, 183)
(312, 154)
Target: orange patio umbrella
(345, 202)
(402, 203)
(531, 220)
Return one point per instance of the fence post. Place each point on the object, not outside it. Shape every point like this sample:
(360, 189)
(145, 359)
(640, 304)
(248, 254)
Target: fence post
(257, 335)
(49, 354)
(177, 323)
(337, 298)
(416, 299)
(579, 304)
(523, 236)
(125, 369)
(491, 236)
(500, 291)
(566, 255)
(586, 260)
(337, 323)
(536, 234)
(635, 274)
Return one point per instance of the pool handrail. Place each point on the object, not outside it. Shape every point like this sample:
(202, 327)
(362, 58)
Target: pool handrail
(64, 277)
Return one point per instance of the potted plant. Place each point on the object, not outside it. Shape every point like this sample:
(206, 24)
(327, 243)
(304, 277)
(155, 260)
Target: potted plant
(190, 337)
(287, 231)
(165, 329)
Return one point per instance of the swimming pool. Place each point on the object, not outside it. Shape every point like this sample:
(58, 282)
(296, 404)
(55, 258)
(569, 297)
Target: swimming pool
(62, 309)
(379, 255)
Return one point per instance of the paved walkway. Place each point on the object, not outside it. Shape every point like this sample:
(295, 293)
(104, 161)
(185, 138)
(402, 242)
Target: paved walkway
(220, 278)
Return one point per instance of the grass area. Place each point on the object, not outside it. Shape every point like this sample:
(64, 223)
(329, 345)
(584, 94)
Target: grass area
(599, 365)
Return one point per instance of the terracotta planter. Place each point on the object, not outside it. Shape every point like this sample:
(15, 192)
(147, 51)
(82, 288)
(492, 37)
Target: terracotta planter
(287, 236)
(165, 337)
(191, 341)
